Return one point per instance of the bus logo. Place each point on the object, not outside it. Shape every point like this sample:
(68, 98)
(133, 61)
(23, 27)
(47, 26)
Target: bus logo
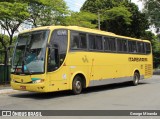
(85, 60)
(135, 59)
(61, 32)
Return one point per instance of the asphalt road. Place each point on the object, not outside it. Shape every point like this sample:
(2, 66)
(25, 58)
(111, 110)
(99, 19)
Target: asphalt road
(145, 96)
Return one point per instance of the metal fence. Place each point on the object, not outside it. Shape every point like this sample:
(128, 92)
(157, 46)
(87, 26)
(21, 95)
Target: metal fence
(4, 68)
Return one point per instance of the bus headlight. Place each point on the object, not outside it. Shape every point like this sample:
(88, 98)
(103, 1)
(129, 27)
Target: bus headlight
(38, 81)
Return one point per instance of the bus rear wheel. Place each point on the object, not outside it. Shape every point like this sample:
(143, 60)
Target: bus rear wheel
(136, 79)
(77, 85)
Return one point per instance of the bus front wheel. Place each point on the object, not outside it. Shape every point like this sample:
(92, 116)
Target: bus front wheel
(136, 79)
(77, 85)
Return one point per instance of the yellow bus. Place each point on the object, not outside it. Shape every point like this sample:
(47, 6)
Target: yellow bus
(55, 58)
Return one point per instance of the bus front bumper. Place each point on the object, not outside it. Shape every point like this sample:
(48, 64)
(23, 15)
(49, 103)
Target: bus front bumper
(39, 87)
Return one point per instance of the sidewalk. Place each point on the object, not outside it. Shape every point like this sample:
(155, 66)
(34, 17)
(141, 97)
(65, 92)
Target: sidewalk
(6, 89)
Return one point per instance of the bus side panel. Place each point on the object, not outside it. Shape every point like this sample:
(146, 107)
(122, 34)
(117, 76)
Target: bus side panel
(79, 63)
(108, 66)
(103, 66)
(98, 66)
(58, 80)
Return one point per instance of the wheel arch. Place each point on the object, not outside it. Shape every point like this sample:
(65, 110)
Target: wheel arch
(136, 78)
(83, 77)
(137, 71)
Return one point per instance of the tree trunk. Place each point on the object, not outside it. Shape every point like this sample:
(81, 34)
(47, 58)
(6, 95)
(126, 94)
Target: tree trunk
(11, 39)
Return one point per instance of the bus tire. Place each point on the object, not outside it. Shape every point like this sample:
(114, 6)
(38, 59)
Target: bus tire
(136, 79)
(77, 85)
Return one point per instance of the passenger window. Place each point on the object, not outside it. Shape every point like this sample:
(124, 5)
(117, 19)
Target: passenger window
(122, 45)
(98, 42)
(83, 41)
(141, 47)
(148, 48)
(92, 44)
(132, 46)
(109, 44)
(78, 40)
(112, 44)
(106, 44)
(95, 42)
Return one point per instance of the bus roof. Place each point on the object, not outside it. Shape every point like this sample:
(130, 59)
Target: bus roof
(83, 29)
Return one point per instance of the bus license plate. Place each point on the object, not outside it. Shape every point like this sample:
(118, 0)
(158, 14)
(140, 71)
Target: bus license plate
(23, 87)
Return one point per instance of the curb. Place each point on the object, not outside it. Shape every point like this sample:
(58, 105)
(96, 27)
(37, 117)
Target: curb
(5, 91)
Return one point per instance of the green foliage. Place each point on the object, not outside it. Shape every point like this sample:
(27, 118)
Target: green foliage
(152, 9)
(12, 15)
(118, 13)
(118, 16)
(139, 22)
(4, 44)
(94, 6)
(155, 46)
(40, 12)
(83, 19)
(13, 11)
(4, 41)
(47, 12)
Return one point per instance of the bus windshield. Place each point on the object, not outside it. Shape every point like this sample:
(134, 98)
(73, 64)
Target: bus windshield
(29, 54)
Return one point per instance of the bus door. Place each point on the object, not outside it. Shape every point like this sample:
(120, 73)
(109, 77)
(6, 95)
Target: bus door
(57, 49)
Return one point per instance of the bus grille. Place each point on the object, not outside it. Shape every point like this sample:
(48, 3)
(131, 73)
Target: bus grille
(148, 70)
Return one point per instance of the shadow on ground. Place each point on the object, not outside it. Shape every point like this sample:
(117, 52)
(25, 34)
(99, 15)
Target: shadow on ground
(110, 87)
(42, 96)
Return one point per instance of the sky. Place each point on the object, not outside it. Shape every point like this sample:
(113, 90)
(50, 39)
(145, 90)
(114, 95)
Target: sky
(75, 5)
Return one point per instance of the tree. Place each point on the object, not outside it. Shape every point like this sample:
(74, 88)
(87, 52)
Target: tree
(155, 47)
(12, 15)
(83, 19)
(94, 6)
(4, 41)
(139, 22)
(3, 48)
(116, 19)
(47, 12)
(152, 10)
(119, 16)
(40, 12)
